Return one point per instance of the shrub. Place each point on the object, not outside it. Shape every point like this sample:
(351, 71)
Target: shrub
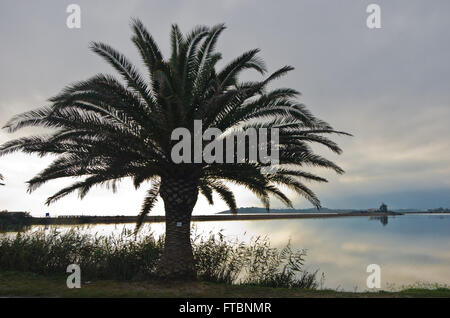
(129, 257)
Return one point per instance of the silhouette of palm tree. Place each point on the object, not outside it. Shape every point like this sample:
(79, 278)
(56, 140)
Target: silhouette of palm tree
(107, 130)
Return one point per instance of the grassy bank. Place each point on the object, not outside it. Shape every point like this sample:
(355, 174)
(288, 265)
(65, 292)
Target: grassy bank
(20, 284)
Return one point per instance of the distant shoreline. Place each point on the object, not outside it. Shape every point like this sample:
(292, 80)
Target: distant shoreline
(204, 218)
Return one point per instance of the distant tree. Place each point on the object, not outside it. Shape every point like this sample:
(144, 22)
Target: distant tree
(107, 130)
(383, 207)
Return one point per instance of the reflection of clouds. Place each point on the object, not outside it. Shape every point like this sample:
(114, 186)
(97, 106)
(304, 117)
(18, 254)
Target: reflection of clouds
(411, 273)
(358, 247)
(342, 248)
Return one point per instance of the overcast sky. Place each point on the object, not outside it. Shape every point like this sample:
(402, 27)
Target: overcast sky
(390, 87)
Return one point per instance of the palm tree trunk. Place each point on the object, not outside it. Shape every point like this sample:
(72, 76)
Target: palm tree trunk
(179, 196)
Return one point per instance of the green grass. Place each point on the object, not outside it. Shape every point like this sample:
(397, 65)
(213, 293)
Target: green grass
(23, 284)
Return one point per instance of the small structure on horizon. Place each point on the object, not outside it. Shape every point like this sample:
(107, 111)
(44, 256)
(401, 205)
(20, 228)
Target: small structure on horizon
(383, 208)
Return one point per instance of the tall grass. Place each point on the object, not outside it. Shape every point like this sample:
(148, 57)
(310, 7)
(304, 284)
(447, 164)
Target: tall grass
(254, 263)
(126, 257)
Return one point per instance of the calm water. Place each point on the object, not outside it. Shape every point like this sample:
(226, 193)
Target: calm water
(409, 248)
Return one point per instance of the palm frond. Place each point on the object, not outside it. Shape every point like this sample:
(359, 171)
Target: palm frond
(105, 129)
(148, 204)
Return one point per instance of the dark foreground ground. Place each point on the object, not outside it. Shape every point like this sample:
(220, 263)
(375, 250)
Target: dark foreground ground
(18, 284)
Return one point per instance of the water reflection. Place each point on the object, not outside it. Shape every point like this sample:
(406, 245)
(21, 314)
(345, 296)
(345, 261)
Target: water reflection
(383, 219)
(410, 249)
(14, 228)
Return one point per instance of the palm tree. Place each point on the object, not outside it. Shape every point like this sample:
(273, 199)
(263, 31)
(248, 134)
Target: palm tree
(107, 130)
